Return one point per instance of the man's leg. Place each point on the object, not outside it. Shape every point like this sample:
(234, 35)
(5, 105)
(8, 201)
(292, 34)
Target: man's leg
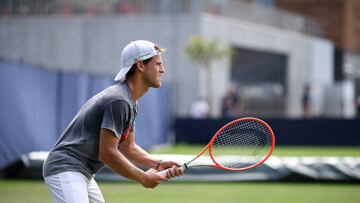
(69, 187)
(95, 195)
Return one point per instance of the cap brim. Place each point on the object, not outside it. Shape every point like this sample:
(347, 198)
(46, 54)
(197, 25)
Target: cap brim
(121, 75)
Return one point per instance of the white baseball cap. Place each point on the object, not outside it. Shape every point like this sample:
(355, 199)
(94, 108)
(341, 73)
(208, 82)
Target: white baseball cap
(138, 50)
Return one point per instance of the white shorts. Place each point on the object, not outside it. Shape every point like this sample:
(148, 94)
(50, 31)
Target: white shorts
(71, 187)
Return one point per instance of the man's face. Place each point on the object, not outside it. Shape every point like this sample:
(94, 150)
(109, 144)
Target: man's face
(153, 72)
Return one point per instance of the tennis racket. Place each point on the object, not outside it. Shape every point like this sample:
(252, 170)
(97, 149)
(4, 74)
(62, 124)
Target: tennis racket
(240, 145)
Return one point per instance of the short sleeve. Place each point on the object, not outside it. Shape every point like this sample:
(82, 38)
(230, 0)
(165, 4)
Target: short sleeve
(116, 117)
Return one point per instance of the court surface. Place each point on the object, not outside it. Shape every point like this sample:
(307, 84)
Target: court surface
(17, 191)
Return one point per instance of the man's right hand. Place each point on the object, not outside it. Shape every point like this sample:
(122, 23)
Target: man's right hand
(151, 179)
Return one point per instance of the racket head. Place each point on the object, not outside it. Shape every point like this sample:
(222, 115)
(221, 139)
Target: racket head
(242, 144)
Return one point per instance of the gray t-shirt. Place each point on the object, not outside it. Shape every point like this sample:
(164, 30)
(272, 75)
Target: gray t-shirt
(78, 147)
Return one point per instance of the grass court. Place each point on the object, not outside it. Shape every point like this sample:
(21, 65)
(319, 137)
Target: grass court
(16, 191)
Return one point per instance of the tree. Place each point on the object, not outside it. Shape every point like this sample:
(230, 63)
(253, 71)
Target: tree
(204, 53)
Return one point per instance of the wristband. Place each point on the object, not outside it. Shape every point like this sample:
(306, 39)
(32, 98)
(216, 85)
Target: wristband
(157, 165)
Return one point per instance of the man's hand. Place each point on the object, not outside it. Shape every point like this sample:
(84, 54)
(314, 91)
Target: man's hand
(175, 169)
(152, 179)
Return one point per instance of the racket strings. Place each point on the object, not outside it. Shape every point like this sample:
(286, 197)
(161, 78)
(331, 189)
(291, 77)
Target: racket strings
(242, 144)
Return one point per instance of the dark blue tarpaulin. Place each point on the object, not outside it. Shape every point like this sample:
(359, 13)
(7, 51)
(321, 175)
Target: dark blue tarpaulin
(316, 132)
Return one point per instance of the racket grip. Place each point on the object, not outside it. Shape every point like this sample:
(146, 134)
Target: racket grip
(164, 172)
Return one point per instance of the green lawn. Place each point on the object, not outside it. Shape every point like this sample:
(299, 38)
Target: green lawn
(16, 191)
(36, 191)
(279, 150)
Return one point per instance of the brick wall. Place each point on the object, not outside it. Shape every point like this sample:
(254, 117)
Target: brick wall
(341, 18)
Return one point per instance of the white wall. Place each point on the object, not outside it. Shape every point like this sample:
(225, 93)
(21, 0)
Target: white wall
(84, 43)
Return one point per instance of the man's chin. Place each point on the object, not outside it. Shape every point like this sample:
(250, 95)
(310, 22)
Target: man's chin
(158, 85)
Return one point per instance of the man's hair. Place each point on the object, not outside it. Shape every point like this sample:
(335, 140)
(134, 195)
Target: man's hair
(146, 61)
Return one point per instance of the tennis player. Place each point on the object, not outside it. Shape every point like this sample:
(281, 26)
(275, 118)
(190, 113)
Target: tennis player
(102, 133)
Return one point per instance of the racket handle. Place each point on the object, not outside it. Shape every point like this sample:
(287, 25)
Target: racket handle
(164, 172)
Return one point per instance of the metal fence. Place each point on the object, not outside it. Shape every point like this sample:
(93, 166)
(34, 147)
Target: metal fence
(268, 15)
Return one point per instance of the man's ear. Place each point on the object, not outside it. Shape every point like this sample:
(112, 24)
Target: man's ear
(140, 65)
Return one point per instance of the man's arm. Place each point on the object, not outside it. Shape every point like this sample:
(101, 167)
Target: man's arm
(115, 160)
(140, 157)
(136, 154)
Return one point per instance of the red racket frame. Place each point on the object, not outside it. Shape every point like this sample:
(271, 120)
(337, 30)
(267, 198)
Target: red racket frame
(209, 145)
